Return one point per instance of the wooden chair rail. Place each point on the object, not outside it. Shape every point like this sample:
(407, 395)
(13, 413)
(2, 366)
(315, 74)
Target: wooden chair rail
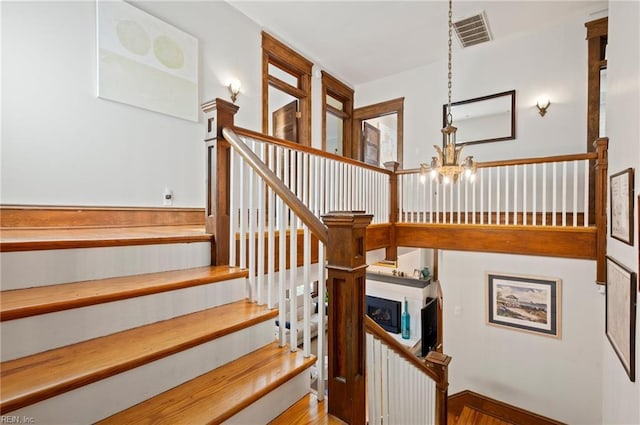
(295, 146)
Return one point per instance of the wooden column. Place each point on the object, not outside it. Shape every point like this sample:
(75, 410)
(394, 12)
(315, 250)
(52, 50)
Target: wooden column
(596, 43)
(439, 363)
(392, 250)
(346, 265)
(219, 114)
(601, 180)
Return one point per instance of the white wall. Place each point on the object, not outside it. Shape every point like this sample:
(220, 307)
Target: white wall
(558, 378)
(552, 61)
(621, 397)
(62, 145)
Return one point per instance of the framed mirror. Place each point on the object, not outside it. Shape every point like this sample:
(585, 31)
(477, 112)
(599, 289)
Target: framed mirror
(484, 119)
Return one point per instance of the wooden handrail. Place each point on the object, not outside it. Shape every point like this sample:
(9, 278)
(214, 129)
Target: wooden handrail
(307, 149)
(317, 228)
(523, 161)
(374, 329)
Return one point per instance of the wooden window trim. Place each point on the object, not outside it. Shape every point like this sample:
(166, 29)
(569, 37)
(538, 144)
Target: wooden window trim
(277, 53)
(335, 88)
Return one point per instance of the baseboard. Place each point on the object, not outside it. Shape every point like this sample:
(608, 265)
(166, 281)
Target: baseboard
(498, 409)
(43, 216)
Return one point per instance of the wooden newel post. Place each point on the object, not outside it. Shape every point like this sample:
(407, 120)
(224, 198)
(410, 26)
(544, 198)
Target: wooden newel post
(346, 265)
(602, 166)
(439, 363)
(219, 114)
(392, 250)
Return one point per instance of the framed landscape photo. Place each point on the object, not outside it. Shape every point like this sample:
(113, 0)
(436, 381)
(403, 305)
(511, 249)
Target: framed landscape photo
(525, 303)
(620, 324)
(621, 205)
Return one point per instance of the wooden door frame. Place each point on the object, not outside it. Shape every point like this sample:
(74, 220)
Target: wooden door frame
(393, 106)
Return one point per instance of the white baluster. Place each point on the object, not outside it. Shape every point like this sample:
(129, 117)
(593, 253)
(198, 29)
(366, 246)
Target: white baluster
(233, 202)
(451, 209)
(261, 233)
(585, 193)
(515, 194)
(524, 194)
(506, 190)
(242, 216)
(293, 265)
(575, 193)
(544, 194)
(554, 192)
(534, 193)
(482, 186)
(271, 209)
(564, 193)
(498, 205)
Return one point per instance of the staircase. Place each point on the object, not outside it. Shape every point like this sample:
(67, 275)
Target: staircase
(133, 325)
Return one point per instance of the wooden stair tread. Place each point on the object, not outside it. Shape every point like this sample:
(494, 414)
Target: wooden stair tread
(217, 395)
(471, 416)
(307, 410)
(17, 239)
(43, 375)
(19, 303)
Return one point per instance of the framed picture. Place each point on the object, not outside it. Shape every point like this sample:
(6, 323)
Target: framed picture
(620, 324)
(145, 62)
(621, 204)
(530, 304)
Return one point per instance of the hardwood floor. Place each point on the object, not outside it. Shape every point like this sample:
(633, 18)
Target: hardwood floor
(470, 416)
(308, 410)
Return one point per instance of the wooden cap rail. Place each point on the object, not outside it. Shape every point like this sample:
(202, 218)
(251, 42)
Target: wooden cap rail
(216, 396)
(19, 303)
(295, 146)
(34, 378)
(523, 161)
(375, 329)
(316, 226)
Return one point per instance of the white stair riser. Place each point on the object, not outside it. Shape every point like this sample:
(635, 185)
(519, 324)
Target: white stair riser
(101, 399)
(270, 406)
(39, 268)
(30, 335)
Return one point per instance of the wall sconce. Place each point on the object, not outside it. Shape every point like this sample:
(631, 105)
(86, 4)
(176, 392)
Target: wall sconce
(234, 89)
(542, 104)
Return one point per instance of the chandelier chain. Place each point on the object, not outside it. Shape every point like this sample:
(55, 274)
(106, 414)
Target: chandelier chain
(449, 117)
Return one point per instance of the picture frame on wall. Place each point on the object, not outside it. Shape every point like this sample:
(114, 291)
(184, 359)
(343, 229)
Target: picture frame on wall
(620, 322)
(621, 205)
(145, 62)
(524, 303)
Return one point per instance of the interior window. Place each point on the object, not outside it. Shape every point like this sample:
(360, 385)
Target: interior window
(286, 92)
(337, 111)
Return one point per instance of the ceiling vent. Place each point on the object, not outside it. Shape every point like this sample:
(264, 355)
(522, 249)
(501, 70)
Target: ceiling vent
(472, 30)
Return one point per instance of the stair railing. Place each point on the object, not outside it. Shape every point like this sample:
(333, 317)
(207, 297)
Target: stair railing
(261, 203)
(401, 388)
(550, 191)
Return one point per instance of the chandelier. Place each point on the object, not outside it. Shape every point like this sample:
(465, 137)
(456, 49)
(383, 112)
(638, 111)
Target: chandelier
(447, 166)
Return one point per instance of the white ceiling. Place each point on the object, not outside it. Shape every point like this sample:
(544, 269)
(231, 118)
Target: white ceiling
(361, 41)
